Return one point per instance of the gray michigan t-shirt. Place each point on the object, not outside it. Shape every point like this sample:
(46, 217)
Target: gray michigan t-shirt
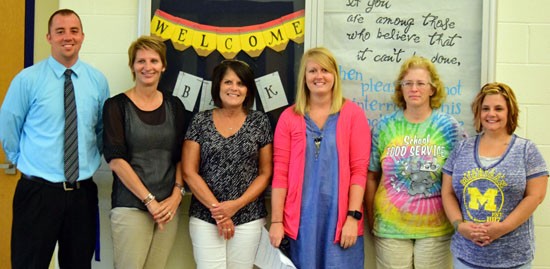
(491, 193)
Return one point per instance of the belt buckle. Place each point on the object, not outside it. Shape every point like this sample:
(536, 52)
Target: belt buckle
(69, 187)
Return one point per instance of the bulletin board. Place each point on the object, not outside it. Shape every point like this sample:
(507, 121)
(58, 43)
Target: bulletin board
(372, 38)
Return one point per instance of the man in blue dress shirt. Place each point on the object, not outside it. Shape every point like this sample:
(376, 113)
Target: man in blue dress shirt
(46, 207)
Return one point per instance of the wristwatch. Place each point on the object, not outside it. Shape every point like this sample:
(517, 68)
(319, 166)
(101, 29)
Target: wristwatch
(355, 214)
(182, 189)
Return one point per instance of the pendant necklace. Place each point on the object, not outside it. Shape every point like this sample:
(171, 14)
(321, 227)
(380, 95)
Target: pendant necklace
(317, 141)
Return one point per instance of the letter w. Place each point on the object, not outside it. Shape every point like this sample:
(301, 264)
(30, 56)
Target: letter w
(162, 26)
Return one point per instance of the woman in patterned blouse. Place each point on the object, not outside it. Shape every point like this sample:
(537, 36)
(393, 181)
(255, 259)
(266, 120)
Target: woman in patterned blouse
(227, 164)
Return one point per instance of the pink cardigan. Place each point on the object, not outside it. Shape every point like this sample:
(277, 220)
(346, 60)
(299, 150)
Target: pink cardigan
(353, 142)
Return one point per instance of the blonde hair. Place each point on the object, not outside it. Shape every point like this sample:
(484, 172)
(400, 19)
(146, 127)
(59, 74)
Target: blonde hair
(511, 104)
(325, 59)
(437, 99)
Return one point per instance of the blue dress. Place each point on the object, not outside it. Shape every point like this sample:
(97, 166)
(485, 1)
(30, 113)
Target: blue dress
(314, 247)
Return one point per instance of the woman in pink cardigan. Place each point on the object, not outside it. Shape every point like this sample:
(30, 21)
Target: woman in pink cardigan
(321, 155)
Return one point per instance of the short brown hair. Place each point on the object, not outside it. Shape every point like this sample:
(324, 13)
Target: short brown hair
(245, 74)
(511, 103)
(146, 43)
(64, 12)
(437, 99)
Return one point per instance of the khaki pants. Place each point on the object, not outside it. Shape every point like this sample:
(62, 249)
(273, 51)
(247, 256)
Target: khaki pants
(137, 240)
(425, 253)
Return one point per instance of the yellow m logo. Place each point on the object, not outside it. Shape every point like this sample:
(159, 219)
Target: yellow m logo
(487, 199)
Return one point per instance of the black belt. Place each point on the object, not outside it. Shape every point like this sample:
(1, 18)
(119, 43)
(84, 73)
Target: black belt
(65, 185)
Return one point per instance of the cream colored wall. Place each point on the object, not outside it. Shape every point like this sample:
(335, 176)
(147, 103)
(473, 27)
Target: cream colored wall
(109, 28)
(43, 11)
(523, 62)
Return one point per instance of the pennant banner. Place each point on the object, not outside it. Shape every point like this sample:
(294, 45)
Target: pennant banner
(189, 88)
(271, 91)
(229, 41)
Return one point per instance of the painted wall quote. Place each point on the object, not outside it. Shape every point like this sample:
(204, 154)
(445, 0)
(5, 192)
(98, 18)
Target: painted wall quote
(372, 38)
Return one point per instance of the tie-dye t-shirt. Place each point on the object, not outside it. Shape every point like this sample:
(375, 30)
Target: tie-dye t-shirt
(490, 193)
(407, 202)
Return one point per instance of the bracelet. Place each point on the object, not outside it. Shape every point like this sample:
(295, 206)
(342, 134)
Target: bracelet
(148, 199)
(276, 222)
(456, 223)
(180, 187)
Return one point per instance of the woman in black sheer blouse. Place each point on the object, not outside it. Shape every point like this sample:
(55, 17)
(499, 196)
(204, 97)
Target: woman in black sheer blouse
(143, 135)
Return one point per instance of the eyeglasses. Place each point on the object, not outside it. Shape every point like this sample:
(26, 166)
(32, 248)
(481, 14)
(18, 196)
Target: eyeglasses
(409, 84)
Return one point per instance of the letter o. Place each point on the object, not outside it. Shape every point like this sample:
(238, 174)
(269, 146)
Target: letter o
(252, 41)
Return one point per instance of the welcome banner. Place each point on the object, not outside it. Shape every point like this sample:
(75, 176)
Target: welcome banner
(229, 41)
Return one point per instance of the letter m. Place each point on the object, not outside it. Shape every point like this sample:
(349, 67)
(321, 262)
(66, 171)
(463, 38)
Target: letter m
(487, 199)
(276, 36)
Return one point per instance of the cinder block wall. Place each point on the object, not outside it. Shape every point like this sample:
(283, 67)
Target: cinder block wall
(523, 62)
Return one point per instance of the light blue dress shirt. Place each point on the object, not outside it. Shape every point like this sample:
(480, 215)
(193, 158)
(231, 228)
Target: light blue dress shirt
(32, 119)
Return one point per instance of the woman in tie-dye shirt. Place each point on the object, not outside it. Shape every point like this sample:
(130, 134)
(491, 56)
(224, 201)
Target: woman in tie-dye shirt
(403, 196)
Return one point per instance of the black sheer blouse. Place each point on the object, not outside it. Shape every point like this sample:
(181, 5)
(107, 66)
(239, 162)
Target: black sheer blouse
(114, 138)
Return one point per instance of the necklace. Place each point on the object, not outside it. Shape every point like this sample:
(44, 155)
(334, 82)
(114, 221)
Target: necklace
(317, 141)
(229, 122)
(143, 100)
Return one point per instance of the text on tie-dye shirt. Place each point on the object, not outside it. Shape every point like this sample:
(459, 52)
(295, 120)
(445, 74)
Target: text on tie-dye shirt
(410, 156)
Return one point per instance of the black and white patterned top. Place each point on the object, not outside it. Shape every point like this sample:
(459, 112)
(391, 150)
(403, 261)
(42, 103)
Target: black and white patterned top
(229, 165)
